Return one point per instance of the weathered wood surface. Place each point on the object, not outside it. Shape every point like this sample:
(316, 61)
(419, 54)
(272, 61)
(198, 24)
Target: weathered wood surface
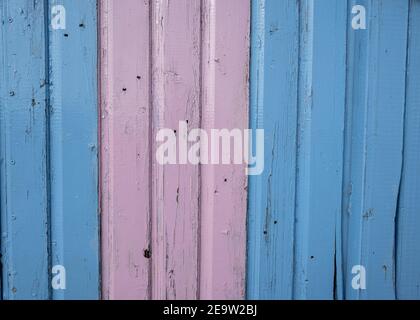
(73, 149)
(340, 110)
(172, 231)
(24, 197)
(49, 150)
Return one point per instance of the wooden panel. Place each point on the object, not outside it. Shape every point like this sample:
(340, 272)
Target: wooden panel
(271, 214)
(166, 235)
(375, 111)
(295, 204)
(125, 152)
(74, 150)
(408, 223)
(348, 199)
(24, 214)
(49, 154)
(223, 187)
(320, 146)
(176, 97)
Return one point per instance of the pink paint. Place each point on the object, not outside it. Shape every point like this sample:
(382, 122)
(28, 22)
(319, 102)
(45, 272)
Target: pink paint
(176, 97)
(225, 105)
(164, 62)
(125, 158)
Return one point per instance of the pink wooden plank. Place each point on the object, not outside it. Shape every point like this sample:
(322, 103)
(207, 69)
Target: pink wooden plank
(125, 153)
(176, 97)
(225, 105)
(164, 62)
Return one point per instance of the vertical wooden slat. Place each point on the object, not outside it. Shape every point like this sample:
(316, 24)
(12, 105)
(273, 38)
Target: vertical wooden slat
(176, 97)
(74, 149)
(24, 219)
(339, 225)
(295, 206)
(223, 187)
(271, 211)
(408, 223)
(320, 146)
(125, 152)
(354, 140)
(165, 203)
(376, 109)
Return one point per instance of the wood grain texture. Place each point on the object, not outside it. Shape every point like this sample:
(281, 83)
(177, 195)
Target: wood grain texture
(24, 199)
(125, 150)
(225, 88)
(73, 150)
(408, 219)
(176, 191)
(163, 221)
(349, 197)
(294, 205)
(374, 145)
(49, 172)
(271, 214)
(320, 146)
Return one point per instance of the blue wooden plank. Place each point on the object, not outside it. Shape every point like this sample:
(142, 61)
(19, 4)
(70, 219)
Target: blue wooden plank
(271, 214)
(298, 52)
(320, 146)
(408, 251)
(339, 224)
(354, 136)
(374, 142)
(74, 150)
(24, 217)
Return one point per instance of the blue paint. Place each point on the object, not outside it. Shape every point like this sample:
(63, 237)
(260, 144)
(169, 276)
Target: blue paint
(320, 146)
(23, 131)
(274, 79)
(340, 109)
(74, 150)
(374, 143)
(408, 222)
(298, 51)
(49, 150)
(333, 102)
